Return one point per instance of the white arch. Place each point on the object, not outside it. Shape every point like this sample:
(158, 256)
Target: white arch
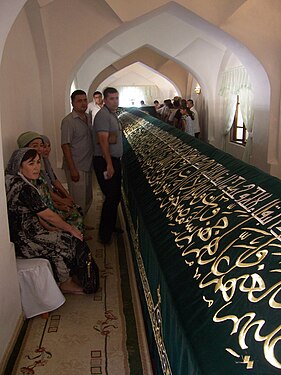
(199, 46)
(147, 73)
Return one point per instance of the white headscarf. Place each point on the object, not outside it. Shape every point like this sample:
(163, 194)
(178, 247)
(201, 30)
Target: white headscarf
(13, 167)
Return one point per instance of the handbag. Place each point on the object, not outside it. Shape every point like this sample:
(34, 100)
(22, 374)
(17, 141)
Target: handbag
(86, 270)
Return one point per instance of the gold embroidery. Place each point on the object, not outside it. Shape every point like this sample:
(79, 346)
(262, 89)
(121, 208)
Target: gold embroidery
(153, 309)
(205, 205)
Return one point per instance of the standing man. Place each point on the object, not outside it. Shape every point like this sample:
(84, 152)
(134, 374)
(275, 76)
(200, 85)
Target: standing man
(95, 105)
(196, 126)
(107, 136)
(78, 151)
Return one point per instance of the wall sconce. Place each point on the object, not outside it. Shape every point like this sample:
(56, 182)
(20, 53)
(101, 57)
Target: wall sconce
(197, 90)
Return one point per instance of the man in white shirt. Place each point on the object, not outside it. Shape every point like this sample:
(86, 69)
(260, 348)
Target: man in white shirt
(196, 125)
(95, 105)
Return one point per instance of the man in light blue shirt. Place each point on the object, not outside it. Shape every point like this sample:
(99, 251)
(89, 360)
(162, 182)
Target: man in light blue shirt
(108, 143)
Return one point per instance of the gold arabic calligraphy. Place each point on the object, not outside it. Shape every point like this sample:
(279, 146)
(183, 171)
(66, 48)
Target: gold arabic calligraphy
(226, 228)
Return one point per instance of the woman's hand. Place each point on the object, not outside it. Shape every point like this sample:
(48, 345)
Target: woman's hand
(76, 233)
(68, 201)
(54, 219)
(64, 204)
(62, 192)
(61, 206)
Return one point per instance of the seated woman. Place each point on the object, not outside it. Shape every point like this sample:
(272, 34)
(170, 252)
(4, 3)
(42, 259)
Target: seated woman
(61, 195)
(65, 207)
(26, 209)
(53, 183)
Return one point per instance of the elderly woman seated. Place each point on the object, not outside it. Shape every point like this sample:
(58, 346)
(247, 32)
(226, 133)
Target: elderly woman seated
(61, 204)
(26, 212)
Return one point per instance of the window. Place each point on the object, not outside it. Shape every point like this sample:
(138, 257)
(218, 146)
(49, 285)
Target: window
(238, 132)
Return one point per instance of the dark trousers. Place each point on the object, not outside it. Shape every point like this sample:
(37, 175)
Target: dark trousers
(111, 189)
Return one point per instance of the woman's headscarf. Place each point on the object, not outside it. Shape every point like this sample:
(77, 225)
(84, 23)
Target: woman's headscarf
(15, 161)
(13, 167)
(25, 138)
(45, 139)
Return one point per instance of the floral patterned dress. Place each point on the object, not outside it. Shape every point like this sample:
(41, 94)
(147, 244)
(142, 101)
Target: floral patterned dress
(73, 217)
(30, 238)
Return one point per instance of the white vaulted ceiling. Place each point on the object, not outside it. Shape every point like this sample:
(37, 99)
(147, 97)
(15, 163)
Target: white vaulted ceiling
(174, 32)
(138, 74)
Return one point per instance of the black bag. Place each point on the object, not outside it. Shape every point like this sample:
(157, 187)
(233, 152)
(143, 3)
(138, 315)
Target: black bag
(86, 270)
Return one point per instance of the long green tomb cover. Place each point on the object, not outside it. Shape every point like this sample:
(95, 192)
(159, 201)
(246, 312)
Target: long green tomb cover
(208, 231)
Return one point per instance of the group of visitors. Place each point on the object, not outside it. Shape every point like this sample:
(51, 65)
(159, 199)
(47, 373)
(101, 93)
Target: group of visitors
(180, 113)
(45, 219)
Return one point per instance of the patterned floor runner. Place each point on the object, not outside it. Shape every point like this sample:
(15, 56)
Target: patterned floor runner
(88, 334)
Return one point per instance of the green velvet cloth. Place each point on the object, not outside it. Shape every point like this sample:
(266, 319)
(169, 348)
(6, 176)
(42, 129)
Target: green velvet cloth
(207, 227)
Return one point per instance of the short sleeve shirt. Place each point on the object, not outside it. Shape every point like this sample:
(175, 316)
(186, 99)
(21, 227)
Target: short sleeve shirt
(196, 120)
(77, 134)
(93, 109)
(189, 127)
(107, 121)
